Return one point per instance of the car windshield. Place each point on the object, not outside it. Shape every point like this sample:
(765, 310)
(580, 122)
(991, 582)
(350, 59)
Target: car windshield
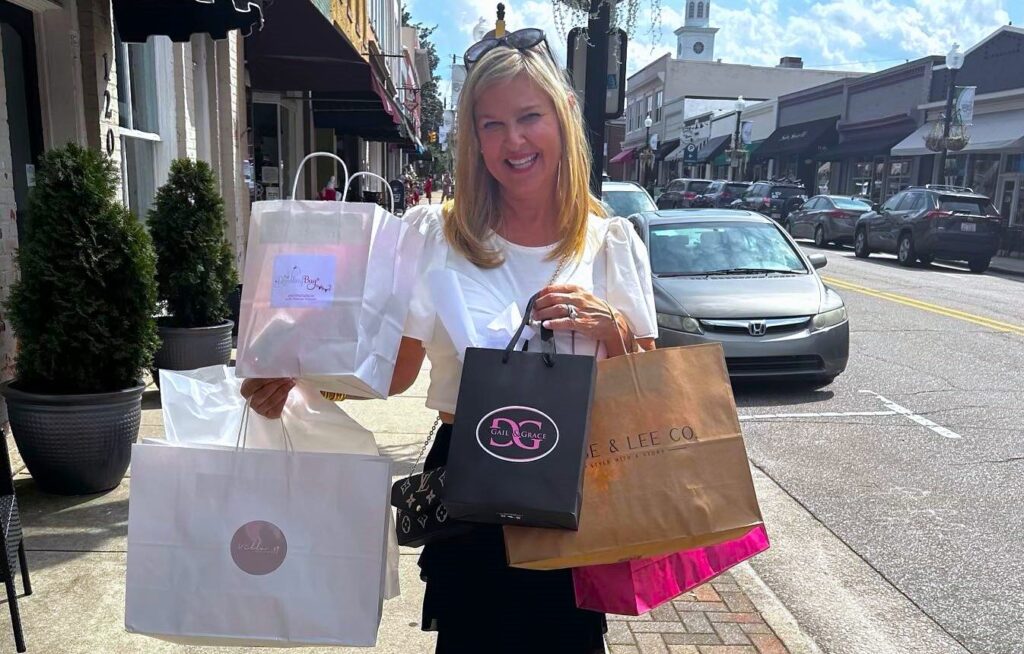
(698, 187)
(736, 188)
(856, 205)
(707, 247)
(974, 206)
(787, 191)
(627, 203)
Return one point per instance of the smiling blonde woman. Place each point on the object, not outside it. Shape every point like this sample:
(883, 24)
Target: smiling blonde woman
(523, 220)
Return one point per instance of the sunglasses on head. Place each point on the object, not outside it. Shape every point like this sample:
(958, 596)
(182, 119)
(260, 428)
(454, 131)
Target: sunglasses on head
(521, 40)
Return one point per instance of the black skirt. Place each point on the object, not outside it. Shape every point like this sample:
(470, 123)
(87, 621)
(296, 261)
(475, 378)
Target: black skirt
(477, 603)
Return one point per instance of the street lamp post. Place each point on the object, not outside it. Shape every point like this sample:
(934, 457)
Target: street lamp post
(954, 61)
(646, 155)
(736, 153)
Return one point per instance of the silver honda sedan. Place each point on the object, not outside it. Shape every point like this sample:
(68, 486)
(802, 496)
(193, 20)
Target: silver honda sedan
(736, 278)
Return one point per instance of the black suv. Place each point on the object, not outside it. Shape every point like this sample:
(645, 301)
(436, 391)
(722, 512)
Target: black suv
(773, 199)
(721, 194)
(680, 193)
(932, 222)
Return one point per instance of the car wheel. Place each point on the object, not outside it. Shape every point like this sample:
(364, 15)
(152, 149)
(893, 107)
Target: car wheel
(905, 253)
(978, 266)
(819, 237)
(860, 244)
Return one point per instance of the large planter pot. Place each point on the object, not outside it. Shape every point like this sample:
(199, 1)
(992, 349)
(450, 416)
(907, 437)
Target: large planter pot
(188, 348)
(75, 444)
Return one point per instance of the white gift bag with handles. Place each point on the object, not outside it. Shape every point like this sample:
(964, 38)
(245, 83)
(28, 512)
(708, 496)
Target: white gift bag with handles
(326, 291)
(204, 408)
(253, 547)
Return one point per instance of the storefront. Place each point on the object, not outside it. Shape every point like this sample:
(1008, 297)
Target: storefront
(860, 164)
(795, 149)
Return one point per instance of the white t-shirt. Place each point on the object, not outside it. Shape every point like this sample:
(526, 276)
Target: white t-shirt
(614, 267)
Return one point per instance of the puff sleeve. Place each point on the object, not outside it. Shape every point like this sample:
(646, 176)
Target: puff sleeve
(419, 323)
(628, 284)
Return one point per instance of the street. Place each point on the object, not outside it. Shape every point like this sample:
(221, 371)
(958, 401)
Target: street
(913, 457)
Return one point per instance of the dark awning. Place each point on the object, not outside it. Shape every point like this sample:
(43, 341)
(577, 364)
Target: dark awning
(801, 138)
(712, 148)
(869, 139)
(301, 50)
(665, 148)
(137, 20)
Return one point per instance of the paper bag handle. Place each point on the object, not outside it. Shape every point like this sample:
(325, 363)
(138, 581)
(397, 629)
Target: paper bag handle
(547, 336)
(391, 192)
(295, 184)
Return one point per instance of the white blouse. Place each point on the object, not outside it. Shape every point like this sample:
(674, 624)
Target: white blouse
(614, 267)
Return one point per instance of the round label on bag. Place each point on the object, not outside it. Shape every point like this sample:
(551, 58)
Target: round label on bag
(258, 547)
(518, 434)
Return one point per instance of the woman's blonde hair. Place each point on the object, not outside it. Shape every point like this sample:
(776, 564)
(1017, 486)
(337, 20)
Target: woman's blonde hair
(475, 212)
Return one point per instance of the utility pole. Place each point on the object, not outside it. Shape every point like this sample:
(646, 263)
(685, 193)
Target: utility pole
(595, 100)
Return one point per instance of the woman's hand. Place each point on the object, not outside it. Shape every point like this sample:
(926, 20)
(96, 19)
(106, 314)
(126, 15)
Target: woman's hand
(593, 317)
(267, 397)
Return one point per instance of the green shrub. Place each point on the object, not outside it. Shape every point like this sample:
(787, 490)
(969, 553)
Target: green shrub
(83, 309)
(195, 269)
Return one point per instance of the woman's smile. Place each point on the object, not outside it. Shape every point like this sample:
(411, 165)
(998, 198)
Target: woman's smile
(521, 164)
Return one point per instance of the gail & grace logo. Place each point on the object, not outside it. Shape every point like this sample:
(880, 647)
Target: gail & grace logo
(258, 547)
(518, 434)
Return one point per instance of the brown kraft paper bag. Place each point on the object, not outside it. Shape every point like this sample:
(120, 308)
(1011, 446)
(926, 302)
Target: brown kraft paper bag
(666, 467)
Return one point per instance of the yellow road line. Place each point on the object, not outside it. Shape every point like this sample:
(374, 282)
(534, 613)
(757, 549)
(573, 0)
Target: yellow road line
(990, 323)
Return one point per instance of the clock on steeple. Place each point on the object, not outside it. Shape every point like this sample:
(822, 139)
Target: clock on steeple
(696, 38)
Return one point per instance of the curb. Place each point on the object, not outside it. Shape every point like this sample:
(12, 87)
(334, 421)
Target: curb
(774, 612)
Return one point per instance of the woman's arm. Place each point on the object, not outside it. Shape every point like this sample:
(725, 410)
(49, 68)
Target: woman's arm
(407, 367)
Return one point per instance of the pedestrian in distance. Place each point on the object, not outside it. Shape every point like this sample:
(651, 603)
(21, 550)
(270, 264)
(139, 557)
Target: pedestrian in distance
(428, 189)
(523, 222)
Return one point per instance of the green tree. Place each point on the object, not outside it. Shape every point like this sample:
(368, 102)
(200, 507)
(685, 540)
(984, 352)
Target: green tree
(194, 265)
(83, 308)
(431, 106)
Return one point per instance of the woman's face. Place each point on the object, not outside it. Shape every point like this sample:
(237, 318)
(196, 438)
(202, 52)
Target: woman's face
(520, 138)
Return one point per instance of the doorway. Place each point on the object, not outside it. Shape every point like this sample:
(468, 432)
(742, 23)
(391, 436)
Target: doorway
(22, 96)
(1010, 205)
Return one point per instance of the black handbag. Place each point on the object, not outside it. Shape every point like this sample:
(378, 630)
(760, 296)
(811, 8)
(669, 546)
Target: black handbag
(520, 435)
(421, 516)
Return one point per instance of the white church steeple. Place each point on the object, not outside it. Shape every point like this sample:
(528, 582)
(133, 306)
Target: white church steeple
(695, 40)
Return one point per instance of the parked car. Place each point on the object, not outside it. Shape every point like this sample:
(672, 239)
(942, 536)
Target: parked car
(826, 219)
(626, 198)
(774, 199)
(736, 278)
(681, 192)
(932, 222)
(721, 193)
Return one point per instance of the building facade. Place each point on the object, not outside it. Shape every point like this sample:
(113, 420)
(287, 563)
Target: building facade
(91, 72)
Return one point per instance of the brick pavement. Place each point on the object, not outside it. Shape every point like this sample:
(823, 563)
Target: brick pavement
(716, 618)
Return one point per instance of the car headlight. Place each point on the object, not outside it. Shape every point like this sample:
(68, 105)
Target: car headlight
(679, 323)
(829, 318)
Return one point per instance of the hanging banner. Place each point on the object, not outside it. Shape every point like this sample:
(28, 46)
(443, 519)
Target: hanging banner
(746, 131)
(458, 79)
(963, 103)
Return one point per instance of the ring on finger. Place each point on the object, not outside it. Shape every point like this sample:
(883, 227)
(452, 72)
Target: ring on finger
(571, 312)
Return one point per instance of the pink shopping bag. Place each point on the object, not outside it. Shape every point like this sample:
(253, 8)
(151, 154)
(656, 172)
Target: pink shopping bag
(636, 587)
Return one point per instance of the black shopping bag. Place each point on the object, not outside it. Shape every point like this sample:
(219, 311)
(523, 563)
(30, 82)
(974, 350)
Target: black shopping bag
(520, 433)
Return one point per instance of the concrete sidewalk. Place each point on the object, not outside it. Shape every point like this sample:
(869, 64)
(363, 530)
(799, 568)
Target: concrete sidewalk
(77, 546)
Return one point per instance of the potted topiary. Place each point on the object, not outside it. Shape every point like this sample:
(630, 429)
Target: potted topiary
(82, 313)
(195, 269)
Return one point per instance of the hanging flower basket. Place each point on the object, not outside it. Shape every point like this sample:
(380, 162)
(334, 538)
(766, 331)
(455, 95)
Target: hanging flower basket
(958, 138)
(933, 141)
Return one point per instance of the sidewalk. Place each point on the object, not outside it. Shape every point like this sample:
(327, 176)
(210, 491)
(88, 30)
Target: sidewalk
(1012, 265)
(76, 552)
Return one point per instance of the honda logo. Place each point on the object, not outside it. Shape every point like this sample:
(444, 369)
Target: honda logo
(757, 327)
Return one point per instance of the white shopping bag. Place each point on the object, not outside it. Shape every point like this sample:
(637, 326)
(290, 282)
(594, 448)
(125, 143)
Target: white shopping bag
(326, 292)
(204, 407)
(256, 547)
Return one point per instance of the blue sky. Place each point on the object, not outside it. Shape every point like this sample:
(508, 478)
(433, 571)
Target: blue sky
(864, 35)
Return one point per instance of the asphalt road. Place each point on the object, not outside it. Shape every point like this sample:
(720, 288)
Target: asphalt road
(924, 478)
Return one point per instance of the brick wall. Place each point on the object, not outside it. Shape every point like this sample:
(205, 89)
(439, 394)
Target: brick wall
(231, 121)
(8, 242)
(184, 98)
(99, 77)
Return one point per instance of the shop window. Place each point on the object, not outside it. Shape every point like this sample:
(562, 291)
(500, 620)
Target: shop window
(985, 174)
(898, 177)
(138, 109)
(1014, 163)
(861, 177)
(271, 126)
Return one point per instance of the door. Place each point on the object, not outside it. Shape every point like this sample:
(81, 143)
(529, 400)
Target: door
(22, 96)
(1008, 200)
(802, 219)
(880, 227)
